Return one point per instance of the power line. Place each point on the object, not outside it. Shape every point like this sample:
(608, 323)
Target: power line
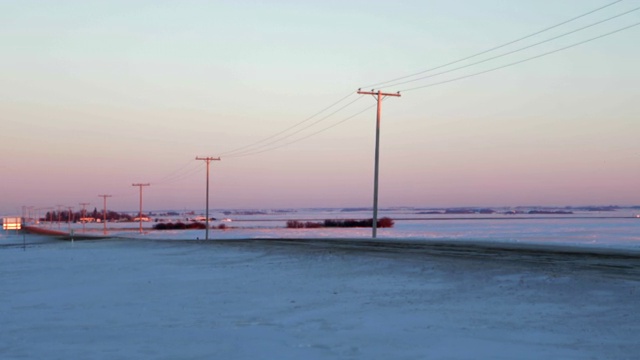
(183, 175)
(307, 136)
(494, 48)
(524, 60)
(252, 149)
(289, 128)
(242, 153)
(265, 145)
(517, 50)
(174, 173)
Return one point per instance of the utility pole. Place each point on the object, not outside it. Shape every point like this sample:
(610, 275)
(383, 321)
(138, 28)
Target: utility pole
(70, 217)
(208, 160)
(104, 212)
(379, 96)
(59, 211)
(48, 218)
(84, 215)
(30, 213)
(140, 215)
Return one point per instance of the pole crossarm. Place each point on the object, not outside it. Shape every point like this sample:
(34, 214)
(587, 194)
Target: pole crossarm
(376, 93)
(379, 96)
(207, 159)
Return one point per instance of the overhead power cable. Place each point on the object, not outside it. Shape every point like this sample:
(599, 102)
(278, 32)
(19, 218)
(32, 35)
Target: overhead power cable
(252, 150)
(307, 136)
(517, 50)
(191, 168)
(182, 175)
(176, 173)
(524, 60)
(247, 147)
(265, 144)
(494, 48)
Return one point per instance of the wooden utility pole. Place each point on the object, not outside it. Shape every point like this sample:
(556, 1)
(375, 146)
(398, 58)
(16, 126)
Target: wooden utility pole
(84, 215)
(140, 215)
(208, 160)
(104, 213)
(379, 96)
(59, 212)
(70, 217)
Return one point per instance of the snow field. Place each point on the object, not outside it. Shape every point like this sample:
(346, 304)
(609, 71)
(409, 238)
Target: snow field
(119, 299)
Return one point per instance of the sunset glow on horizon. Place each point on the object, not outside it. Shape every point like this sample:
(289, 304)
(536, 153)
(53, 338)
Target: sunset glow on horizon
(97, 96)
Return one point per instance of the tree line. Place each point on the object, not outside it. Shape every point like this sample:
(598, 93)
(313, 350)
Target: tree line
(70, 216)
(385, 222)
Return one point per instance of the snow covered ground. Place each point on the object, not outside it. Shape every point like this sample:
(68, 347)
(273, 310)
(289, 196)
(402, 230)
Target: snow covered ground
(154, 297)
(616, 229)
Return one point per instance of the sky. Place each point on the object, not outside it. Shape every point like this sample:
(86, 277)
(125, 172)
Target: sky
(98, 95)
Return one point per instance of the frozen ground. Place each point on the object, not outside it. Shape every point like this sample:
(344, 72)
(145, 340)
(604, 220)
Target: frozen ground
(248, 299)
(617, 230)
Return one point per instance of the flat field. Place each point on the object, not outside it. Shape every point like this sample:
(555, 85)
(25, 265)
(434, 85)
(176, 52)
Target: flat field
(248, 299)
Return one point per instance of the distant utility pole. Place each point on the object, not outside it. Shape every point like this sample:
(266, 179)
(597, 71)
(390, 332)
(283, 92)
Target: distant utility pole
(70, 217)
(84, 215)
(208, 161)
(59, 211)
(379, 96)
(30, 213)
(104, 212)
(140, 216)
(48, 215)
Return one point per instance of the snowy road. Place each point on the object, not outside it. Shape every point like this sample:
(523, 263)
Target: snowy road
(289, 300)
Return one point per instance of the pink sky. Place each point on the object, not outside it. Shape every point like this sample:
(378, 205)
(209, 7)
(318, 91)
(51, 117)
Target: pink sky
(97, 97)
